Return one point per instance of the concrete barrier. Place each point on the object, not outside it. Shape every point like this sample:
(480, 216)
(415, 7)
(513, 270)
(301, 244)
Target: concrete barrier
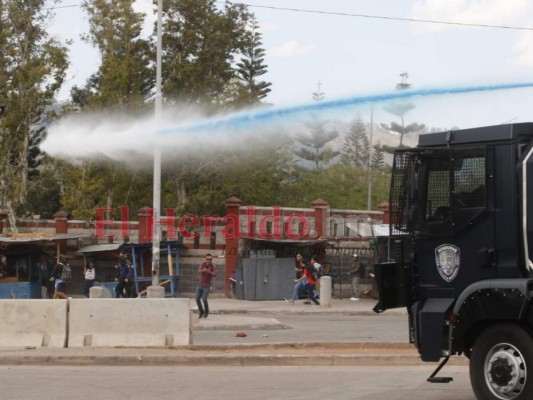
(100, 292)
(129, 322)
(33, 323)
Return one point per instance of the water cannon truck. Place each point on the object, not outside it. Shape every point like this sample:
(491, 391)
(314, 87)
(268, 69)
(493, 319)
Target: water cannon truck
(461, 254)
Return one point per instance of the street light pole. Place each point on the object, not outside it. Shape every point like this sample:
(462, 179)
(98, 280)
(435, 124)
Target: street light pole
(370, 148)
(156, 247)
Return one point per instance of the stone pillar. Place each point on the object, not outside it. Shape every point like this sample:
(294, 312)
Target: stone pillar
(384, 207)
(61, 221)
(3, 216)
(145, 216)
(232, 244)
(321, 213)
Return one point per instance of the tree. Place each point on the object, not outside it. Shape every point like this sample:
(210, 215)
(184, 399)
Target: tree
(378, 159)
(125, 77)
(251, 67)
(104, 183)
(356, 144)
(314, 143)
(200, 42)
(343, 185)
(400, 109)
(204, 178)
(32, 70)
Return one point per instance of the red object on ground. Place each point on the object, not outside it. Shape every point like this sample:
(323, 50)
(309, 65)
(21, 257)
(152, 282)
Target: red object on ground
(241, 334)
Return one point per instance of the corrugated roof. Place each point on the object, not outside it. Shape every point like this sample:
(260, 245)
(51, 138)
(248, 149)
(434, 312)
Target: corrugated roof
(36, 237)
(96, 248)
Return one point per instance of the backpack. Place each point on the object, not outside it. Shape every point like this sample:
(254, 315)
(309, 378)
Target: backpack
(66, 274)
(317, 274)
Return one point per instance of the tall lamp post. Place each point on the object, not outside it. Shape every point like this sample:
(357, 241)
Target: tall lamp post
(370, 148)
(157, 152)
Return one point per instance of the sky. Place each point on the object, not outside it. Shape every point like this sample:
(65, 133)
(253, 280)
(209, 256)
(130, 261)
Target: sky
(352, 56)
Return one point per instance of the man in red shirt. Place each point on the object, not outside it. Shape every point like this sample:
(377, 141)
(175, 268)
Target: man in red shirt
(207, 271)
(311, 272)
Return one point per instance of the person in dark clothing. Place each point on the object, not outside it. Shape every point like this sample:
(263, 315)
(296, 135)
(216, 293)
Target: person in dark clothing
(59, 284)
(309, 288)
(124, 277)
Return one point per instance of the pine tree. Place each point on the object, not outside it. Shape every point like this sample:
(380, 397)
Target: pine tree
(400, 109)
(251, 90)
(378, 159)
(314, 143)
(356, 144)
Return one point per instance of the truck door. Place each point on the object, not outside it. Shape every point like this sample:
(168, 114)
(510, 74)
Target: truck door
(454, 237)
(441, 202)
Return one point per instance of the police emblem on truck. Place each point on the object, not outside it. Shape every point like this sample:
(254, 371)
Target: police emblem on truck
(448, 258)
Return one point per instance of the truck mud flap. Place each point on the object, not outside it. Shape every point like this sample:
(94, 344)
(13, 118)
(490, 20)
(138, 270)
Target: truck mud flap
(393, 283)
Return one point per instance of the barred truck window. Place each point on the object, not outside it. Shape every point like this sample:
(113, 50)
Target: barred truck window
(470, 183)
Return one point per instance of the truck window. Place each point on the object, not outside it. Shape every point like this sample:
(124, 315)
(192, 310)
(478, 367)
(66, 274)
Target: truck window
(456, 189)
(437, 191)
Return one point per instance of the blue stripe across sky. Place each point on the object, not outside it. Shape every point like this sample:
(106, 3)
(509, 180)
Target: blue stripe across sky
(263, 116)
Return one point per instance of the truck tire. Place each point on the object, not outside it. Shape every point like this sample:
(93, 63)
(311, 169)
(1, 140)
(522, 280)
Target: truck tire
(501, 365)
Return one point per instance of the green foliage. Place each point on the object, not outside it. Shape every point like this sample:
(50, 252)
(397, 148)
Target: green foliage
(125, 77)
(342, 186)
(200, 43)
(44, 193)
(104, 183)
(32, 69)
(203, 180)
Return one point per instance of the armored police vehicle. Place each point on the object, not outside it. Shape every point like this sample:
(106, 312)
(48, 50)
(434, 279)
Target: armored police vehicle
(461, 207)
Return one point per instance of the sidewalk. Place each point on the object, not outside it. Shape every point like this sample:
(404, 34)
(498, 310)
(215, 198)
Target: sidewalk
(243, 314)
(234, 315)
(338, 307)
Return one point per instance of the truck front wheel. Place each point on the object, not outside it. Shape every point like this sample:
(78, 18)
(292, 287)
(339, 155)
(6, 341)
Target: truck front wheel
(501, 365)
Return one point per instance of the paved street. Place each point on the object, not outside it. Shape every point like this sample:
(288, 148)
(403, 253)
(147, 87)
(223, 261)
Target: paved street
(219, 383)
(306, 328)
(290, 352)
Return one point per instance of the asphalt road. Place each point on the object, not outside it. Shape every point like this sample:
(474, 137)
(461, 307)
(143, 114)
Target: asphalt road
(219, 383)
(315, 328)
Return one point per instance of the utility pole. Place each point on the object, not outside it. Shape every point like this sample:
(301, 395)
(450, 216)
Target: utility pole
(370, 140)
(156, 247)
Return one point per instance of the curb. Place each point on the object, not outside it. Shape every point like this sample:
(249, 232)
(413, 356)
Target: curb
(281, 354)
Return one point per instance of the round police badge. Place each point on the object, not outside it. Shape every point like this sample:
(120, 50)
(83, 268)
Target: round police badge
(448, 258)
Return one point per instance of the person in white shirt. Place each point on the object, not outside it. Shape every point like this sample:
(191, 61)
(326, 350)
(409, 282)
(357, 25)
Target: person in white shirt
(90, 275)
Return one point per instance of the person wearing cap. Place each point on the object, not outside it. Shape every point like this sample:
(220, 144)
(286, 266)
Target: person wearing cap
(357, 272)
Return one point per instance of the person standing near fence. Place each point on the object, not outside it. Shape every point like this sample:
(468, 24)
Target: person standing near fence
(357, 272)
(206, 272)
